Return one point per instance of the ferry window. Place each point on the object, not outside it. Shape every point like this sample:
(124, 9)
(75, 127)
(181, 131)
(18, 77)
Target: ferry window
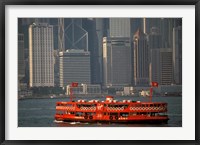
(114, 113)
(104, 113)
(133, 114)
(105, 105)
(144, 113)
(125, 114)
(60, 104)
(79, 113)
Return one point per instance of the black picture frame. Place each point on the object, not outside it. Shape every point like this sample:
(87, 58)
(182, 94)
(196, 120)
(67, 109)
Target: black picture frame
(4, 3)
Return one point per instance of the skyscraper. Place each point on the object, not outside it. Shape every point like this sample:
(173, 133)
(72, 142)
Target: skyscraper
(116, 62)
(119, 27)
(21, 60)
(155, 38)
(154, 67)
(152, 23)
(117, 53)
(155, 43)
(74, 66)
(94, 28)
(61, 36)
(76, 36)
(167, 25)
(99, 34)
(136, 23)
(41, 63)
(166, 66)
(177, 55)
(141, 59)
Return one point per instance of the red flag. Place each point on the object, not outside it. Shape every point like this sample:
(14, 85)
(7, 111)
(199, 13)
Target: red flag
(74, 84)
(154, 84)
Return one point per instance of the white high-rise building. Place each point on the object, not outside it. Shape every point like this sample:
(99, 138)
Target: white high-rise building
(41, 61)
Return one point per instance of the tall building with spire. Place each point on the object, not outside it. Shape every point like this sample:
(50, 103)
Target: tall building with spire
(141, 59)
(41, 62)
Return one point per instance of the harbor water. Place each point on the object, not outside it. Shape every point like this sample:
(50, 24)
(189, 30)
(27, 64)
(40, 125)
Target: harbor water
(40, 112)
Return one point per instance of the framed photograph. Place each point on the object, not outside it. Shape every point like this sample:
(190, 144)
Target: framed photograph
(99, 72)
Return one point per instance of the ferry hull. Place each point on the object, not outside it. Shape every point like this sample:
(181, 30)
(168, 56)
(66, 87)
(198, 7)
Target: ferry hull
(153, 120)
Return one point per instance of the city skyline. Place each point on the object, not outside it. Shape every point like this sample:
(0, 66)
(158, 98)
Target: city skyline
(122, 51)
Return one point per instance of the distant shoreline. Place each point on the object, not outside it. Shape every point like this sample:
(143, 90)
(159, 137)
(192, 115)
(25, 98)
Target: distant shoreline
(82, 96)
(63, 96)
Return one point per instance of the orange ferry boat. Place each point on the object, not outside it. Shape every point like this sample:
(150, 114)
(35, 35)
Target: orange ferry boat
(112, 111)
